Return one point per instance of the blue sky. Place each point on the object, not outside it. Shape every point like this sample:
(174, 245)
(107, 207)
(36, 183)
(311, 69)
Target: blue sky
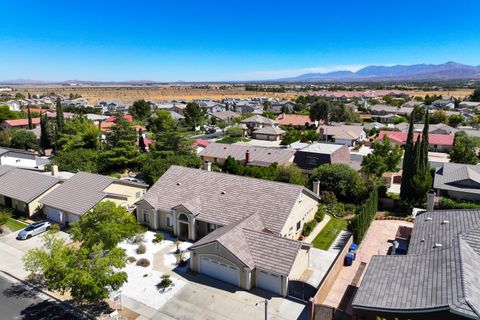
(228, 40)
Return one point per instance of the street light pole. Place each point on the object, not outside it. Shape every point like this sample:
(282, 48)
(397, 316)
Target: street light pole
(266, 307)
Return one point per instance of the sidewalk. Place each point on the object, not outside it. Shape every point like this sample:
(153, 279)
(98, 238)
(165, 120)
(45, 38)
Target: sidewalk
(317, 229)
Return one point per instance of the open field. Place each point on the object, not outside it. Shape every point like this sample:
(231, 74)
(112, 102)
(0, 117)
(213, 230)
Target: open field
(461, 93)
(130, 94)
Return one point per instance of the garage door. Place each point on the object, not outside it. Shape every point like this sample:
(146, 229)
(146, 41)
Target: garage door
(218, 270)
(54, 215)
(270, 282)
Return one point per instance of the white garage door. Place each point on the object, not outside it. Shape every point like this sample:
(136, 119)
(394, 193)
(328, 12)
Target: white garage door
(54, 215)
(218, 270)
(270, 282)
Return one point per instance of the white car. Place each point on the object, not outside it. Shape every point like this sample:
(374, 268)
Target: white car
(33, 229)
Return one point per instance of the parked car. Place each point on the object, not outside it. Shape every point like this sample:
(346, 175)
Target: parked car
(33, 229)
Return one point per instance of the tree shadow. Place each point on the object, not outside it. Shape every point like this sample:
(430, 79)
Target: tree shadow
(46, 310)
(20, 291)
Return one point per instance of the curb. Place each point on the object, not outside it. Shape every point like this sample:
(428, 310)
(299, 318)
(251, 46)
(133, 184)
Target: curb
(63, 304)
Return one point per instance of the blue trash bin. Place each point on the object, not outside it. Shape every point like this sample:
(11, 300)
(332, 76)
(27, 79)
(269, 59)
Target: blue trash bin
(353, 247)
(348, 259)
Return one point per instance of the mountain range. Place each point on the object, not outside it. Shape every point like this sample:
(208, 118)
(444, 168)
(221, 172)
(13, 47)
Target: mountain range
(417, 72)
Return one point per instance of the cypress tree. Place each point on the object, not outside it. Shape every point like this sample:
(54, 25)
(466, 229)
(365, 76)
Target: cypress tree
(45, 141)
(408, 163)
(30, 122)
(141, 142)
(60, 118)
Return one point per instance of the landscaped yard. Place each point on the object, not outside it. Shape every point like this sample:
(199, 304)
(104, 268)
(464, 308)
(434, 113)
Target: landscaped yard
(329, 233)
(15, 225)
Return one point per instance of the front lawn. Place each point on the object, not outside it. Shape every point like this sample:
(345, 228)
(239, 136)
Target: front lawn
(329, 233)
(15, 225)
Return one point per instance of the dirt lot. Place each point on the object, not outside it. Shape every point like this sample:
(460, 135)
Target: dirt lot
(452, 93)
(129, 94)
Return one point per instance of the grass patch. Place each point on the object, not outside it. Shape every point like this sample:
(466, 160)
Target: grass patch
(15, 225)
(329, 233)
(230, 140)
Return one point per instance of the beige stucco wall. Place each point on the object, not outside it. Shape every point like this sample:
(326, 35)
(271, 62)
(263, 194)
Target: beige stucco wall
(130, 191)
(219, 161)
(35, 204)
(303, 211)
(300, 264)
(211, 251)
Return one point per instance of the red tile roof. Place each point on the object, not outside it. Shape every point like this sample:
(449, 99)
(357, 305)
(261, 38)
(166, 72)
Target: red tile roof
(293, 119)
(401, 137)
(125, 116)
(22, 122)
(200, 142)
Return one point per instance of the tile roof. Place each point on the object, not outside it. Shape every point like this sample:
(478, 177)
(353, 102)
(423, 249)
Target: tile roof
(294, 119)
(128, 117)
(25, 185)
(253, 245)
(21, 122)
(259, 119)
(225, 115)
(258, 155)
(384, 108)
(225, 198)
(322, 148)
(458, 177)
(78, 194)
(269, 131)
(429, 277)
(5, 168)
(401, 137)
(347, 132)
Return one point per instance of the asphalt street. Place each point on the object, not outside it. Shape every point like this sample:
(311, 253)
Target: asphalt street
(18, 301)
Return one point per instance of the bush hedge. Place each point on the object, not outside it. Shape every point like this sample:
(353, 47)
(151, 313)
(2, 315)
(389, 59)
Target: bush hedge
(365, 214)
(308, 227)
(141, 249)
(449, 203)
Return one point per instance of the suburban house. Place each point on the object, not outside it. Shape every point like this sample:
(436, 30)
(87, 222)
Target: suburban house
(459, 181)
(83, 191)
(439, 128)
(295, 120)
(21, 190)
(280, 107)
(225, 115)
(443, 104)
(18, 158)
(18, 124)
(246, 235)
(384, 114)
(246, 154)
(200, 144)
(342, 134)
(438, 277)
(257, 121)
(212, 106)
(316, 154)
(273, 133)
(436, 142)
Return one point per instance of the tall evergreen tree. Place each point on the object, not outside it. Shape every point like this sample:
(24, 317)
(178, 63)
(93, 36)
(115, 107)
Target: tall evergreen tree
(408, 164)
(141, 142)
(60, 117)
(45, 132)
(30, 122)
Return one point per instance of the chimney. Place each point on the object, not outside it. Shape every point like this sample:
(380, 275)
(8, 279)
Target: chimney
(316, 187)
(430, 200)
(247, 157)
(208, 166)
(55, 170)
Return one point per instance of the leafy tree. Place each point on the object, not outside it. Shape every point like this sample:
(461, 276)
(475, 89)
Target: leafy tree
(320, 111)
(78, 133)
(19, 96)
(23, 139)
(342, 180)
(59, 115)
(88, 274)
(194, 115)
(439, 116)
(77, 160)
(291, 174)
(230, 165)
(120, 152)
(290, 137)
(46, 132)
(5, 215)
(235, 132)
(6, 114)
(465, 149)
(162, 121)
(141, 142)
(455, 119)
(154, 164)
(105, 226)
(173, 141)
(140, 109)
(475, 95)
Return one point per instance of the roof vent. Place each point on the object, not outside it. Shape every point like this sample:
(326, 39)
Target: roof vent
(437, 245)
(445, 222)
(422, 240)
(428, 219)
(179, 184)
(223, 192)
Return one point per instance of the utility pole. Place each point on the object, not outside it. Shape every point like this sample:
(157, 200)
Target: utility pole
(266, 307)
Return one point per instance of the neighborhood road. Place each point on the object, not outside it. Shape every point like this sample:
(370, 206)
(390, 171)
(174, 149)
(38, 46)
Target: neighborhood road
(18, 301)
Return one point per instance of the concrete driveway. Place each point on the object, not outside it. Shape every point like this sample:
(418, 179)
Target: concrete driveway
(32, 243)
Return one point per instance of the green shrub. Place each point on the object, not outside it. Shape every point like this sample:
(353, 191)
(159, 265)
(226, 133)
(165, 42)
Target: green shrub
(165, 282)
(158, 238)
(143, 262)
(131, 259)
(449, 203)
(308, 227)
(54, 228)
(320, 214)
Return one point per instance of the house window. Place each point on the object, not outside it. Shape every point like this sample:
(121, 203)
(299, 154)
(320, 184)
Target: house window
(169, 221)
(139, 194)
(146, 216)
(311, 161)
(299, 224)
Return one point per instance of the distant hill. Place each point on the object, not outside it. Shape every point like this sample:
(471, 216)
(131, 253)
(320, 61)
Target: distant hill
(416, 72)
